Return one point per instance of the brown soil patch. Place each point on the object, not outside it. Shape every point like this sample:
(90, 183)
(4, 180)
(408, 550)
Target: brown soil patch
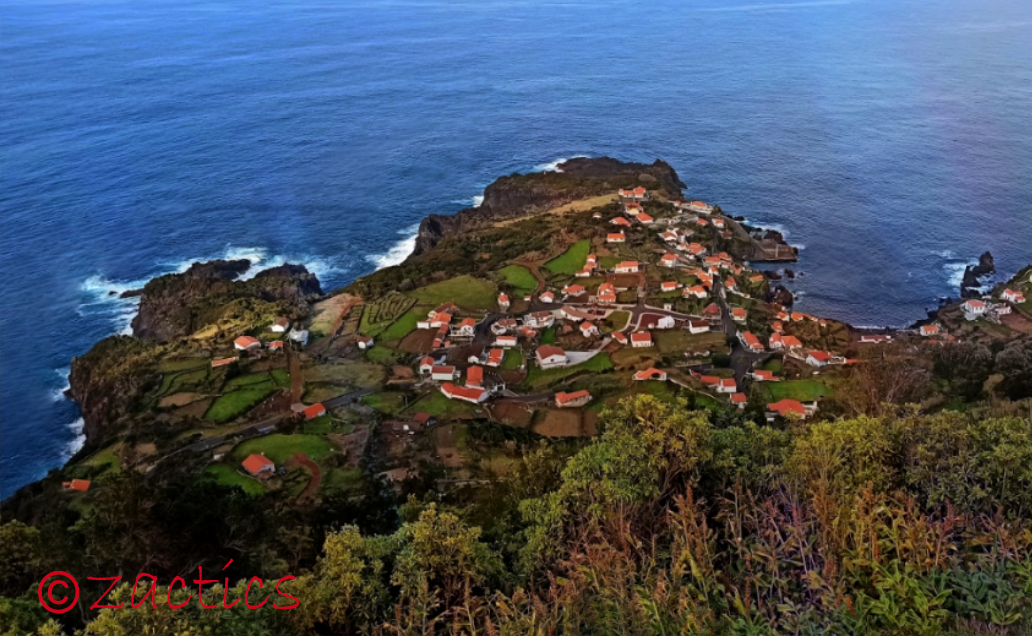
(575, 206)
(402, 373)
(512, 413)
(630, 281)
(328, 311)
(180, 399)
(194, 409)
(353, 444)
(1017, 322)
(301, 459)
(418, 341)
(273, 405)
(444, 442)
(320, 392)
(561, 423)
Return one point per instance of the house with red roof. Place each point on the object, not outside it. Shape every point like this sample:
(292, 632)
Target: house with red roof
(718, 223)
(637, 194)
(475, 377)
(669, 260)
(633, 208)
(750, 341)
(277, 345)
(696, 249)
(505, 341)
(791, 342)
(973, 309)
(503, 302)
(588, 329)
(778, 327)
(314, 411)
(626, 267)
(726, 385)
(574, 290)
(730, 284)
(696, 327)
(617, 237)
(221, 362)
(247, 343)
(572, 400)
(738, 314)
(620, 337)
(426, 365)
(931, 330)
(547, 297)
(464, 393)
(819, 358)
(669, 286)
(539, 319)
(763, 375)
(443, 373)
(700, 207)
(363, 342)
(644, 219)
(786, 408)
(279, 325)
(259, 466)
(711, 311)
(641, 339)
(739, 400)
(606, 293)
(505, 325)
(620, 221)
(467, 328)
(1012, 296)
(77, 485)
(551, 357)
(651, 374)
(695, 291)
(495, 357)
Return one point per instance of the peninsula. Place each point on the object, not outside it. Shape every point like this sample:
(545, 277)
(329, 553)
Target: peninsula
(518, 335)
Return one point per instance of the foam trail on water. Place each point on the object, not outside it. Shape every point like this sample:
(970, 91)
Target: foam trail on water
(478, 200)
(397, 252)
(76, 444)
(955, 273)
(553, 166)
(59, 394)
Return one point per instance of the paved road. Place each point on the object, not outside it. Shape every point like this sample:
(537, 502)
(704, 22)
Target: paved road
(742, 360)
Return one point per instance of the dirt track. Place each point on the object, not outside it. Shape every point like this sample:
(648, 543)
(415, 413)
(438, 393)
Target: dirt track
(313, 485)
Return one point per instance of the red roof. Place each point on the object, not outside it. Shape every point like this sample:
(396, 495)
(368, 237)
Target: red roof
(495, 357)
(711, 310)
(223, 361)
(649, 374)
(278, 344)
(547, 351)
(763, 374)
(725, 382)
(246, 342)
(751, 340)
(78, 485)
(641, 336)
(314, 411)
(255, 463)
(475, 376)
(421, 418)
(784, 407)
(791, 342)
(820, 356)
(427, 361)
(738, 398)
(443, 369)
(462, 392)
(566, 398)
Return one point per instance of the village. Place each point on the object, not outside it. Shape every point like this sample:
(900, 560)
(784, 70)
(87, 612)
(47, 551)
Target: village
(646, 299)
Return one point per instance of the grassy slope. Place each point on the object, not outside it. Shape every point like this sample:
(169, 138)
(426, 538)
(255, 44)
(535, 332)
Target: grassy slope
(572, 260)
(465, 291)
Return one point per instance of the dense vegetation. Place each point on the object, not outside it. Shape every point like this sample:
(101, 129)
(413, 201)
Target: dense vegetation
(666, 523)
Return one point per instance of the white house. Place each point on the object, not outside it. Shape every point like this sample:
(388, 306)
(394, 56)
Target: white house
(280, 325)
(616, 237)
(819, 358)
(426, 365)
(505, 341)
(933, 329)
(641, 339)
(588, 329)
(503, 302)
(726, 385)
(365, 342)
(669, 260)
(698, 326)
(539, 319)
(1012, 296)
(551, 357)
(651, 374)
(247, 343)
(973, 309)
(547, 297)
(626, 267)
(443, 373)
(464, 393)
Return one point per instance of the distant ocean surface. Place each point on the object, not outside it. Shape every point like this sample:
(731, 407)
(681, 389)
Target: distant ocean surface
(890, 139)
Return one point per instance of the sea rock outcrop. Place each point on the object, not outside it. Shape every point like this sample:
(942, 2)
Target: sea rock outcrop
(177, 305)
(970, 286)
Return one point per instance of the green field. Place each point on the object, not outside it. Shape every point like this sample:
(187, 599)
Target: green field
(389, 403)
(513, 360)
(539, 378)
(609, 262)
(231, 405)
(773, 365)
(280, 448)
(616, 321)
(228, 476)
(379, 316)
(251, 381)
(802, 390)
(403, 325)
(319, 426)
(679, 341)
(340, 480)
(548, 336)
(519, 278)
(572, 260)
(185, 364)
(465, 291)
(437, 405)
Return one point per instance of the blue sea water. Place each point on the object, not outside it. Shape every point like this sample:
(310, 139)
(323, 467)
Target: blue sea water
(891, 139)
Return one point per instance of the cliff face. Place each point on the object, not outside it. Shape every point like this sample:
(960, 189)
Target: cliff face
(176, 305)
(520, 195)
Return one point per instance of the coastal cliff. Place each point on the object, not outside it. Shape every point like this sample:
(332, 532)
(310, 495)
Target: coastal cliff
(521, 195)
(111, 380)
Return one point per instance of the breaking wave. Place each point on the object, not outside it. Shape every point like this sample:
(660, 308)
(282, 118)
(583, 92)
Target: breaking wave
(399, 251)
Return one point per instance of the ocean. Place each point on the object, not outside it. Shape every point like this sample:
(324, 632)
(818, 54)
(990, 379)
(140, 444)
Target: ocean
(889, 139)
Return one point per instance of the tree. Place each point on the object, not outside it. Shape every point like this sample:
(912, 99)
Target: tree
(21, 554)
(1014, 362)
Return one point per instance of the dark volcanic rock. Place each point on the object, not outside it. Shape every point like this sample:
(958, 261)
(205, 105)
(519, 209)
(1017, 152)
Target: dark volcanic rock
(970, 287)
(520, 195)
(176, 305)
(226, 270)
(781, 295)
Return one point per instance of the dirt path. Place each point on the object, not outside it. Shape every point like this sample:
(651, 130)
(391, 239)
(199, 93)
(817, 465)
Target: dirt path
(537, 275)
(313, 485)
(296, 379)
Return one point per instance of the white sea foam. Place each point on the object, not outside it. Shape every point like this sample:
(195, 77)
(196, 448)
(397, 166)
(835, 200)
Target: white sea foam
(955, 273)
(76, 444)
(553, 166)
(944, 254)
(59, 394)
(478, 200)
(397, 252)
